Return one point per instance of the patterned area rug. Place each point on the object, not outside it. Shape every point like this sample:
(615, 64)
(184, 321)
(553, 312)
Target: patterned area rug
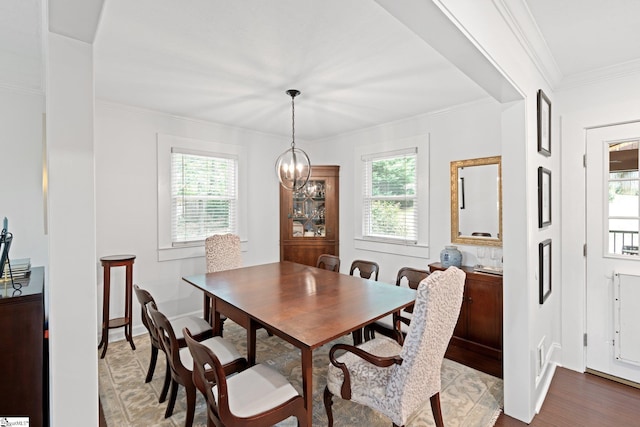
(469, 398)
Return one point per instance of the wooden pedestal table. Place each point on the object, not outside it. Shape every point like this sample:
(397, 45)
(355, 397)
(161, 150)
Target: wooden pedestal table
(119, 322)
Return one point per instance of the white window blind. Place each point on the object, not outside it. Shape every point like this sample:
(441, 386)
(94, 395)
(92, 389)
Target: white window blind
(204, 196)
(390, 202)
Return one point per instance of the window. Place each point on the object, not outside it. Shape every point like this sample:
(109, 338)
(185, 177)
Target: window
(624, 198)
(390, 196)
(204, 195)
(202, 189)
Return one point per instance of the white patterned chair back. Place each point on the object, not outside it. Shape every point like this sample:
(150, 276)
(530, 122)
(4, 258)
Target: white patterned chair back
(438, 302)
(222, 252)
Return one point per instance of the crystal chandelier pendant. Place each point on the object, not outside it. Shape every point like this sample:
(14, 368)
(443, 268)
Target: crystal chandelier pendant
(293, 166)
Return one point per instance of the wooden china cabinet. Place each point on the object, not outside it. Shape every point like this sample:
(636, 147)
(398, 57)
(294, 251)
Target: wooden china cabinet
(309, 218)
(477, 338)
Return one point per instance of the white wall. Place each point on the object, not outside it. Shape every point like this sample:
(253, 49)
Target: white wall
(526, 322)
(126, 201)
(463, 132)
(21, 148)
(72, 242)
(581, 107)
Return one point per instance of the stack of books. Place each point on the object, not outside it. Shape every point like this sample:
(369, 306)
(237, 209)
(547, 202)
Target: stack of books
(20, 268)
(488, 269)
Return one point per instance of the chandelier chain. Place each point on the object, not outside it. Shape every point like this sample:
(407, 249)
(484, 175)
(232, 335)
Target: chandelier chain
(293, 123)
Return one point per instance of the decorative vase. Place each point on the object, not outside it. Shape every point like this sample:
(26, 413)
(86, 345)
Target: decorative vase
(449, 256)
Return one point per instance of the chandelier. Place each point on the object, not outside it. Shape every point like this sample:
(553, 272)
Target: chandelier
(293, 166)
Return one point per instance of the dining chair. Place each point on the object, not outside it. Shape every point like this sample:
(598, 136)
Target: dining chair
(181, 363)
(393, 379)
(222, 252)
(365, 269)
(257, 396)
(200, 327)
(329, 262)
(385, 326)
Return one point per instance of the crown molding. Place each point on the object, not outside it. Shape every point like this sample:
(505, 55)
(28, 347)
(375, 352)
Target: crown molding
(520, 20)
(611, 72)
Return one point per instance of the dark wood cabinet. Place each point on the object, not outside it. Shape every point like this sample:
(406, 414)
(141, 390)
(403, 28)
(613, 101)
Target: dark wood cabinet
(309, 218)
(22, 360)
(477, 338)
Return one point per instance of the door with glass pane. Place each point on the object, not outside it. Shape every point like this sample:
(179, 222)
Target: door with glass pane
(613, 257)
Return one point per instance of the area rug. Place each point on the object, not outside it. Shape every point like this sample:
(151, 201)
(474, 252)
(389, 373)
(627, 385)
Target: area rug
(469, 398)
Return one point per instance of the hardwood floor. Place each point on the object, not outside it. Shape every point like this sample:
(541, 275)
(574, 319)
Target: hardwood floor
(585, 400)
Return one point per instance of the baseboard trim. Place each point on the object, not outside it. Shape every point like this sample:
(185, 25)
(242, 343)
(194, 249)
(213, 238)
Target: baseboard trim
(544, 384)
(612, 378)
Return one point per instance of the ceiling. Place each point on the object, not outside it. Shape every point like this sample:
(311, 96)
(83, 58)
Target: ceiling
(589, 35)
(356, 64)
(231, 63)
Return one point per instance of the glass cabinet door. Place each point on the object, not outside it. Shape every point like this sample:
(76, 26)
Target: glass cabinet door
(308, 210)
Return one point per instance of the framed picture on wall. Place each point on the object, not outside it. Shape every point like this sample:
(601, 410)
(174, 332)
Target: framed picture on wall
(544, 197)
(544, 124)
(544, 256)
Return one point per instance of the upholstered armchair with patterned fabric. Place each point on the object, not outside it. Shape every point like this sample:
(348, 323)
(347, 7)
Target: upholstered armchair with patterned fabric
(222, 252)
(397, 380)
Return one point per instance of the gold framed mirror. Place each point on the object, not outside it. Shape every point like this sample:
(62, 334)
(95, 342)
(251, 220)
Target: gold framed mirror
(476, 201)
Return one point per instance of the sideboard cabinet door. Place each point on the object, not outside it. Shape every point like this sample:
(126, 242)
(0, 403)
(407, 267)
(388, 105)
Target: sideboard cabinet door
(22, 349)
(477, 338)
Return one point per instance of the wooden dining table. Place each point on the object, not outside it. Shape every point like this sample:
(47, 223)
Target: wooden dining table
(303, 305)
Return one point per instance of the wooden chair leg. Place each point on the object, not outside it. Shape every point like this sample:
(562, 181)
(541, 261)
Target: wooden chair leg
(172, 399)
(437, 411)
(152, 364)
(167, 382)
(328, 402)
(357, 336)
(369, 333)
(190, 391)
(222, 319)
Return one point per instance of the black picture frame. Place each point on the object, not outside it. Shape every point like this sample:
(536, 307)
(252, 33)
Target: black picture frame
(544, 197)
(544, 124)
(544, 273)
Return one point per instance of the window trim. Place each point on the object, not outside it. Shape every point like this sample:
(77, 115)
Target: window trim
(370, 158)
(165, 145)
(420, 249)
(607, 217)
